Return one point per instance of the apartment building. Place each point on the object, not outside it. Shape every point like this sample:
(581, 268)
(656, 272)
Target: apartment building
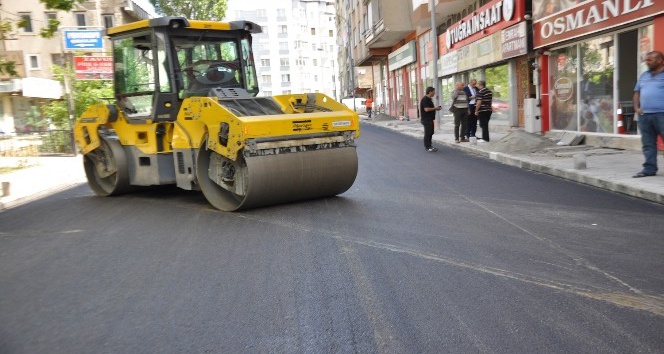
(34, 55)
(296, 53)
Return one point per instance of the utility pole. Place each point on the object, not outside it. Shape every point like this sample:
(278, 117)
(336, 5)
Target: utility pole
(434, 49)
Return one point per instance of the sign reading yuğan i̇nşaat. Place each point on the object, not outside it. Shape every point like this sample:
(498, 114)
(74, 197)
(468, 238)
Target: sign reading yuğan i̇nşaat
(82, 39)
(488, 19)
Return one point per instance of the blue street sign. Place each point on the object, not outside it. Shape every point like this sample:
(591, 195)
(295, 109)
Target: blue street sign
(83, 39)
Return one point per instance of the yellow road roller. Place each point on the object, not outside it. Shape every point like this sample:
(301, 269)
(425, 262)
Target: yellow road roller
(186, 112)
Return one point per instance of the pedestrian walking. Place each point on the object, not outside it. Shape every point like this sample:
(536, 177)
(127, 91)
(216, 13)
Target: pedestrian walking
(460, 110)
(483, 108)
(649, 105)
(369, 104)
(471, 92)
(428, 116)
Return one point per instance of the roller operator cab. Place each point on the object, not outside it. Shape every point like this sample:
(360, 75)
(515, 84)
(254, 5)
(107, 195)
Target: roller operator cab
(186, 113)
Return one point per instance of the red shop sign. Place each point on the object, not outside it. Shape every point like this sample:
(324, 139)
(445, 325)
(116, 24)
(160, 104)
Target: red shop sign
(592, 16)
(488, 19)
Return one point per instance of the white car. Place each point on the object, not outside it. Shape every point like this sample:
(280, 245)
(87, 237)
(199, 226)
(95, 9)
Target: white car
(359, 105)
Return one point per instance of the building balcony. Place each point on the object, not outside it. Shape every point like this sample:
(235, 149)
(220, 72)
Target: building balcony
(421, 15)
(395, 24)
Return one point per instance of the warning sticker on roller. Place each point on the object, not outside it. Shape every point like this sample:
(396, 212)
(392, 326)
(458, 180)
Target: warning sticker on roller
(341, 123)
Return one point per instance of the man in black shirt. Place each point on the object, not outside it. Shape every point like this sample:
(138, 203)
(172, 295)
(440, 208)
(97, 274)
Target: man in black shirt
(428, 115)
(483, 108)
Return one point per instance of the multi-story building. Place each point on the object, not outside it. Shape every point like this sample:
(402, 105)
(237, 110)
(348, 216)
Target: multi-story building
(552, 65)
(35, 56)
(296, 53)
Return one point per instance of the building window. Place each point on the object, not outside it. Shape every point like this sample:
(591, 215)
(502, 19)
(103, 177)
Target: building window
(266, 79)
(26, 22)
(80, 19)
(283, 45)
(315, 62)
(33, 61)
(313, 46)
(50, 16)
(287, 92)
(108, 21)
(265, 62)
(267, 93)
(281, 12)
(285, 78)
(284, 62)
(331, 33)
(313, 31)
(316, 78)
(283, 29)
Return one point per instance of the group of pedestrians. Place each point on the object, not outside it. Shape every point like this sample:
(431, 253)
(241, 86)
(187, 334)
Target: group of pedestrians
(470, 103)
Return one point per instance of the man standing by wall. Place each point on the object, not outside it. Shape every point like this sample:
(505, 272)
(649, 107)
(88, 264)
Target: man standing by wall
(483, 108)
(649, 105)
(369, 104)
(460, 111)
(428, 115)
(471, 92)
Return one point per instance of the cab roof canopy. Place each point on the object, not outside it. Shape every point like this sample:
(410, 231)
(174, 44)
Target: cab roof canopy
(181, 22)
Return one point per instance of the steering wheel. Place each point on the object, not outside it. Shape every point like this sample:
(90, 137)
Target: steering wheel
(214, 73)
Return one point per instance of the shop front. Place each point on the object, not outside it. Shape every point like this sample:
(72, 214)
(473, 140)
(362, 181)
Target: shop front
(491, 45)
(402, 64)
(591, 57)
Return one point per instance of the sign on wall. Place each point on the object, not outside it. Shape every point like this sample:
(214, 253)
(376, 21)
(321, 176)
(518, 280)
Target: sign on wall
(82, 39)
(402, 56)
(488, 19)
(93, 68)
(558, 21)
(514, 41)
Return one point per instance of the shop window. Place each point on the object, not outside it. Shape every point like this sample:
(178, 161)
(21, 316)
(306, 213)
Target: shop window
(596, 86)
(563, 64)
(497, 80)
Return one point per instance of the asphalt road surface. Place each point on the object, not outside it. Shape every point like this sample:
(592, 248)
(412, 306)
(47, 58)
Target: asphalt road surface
(427, 253)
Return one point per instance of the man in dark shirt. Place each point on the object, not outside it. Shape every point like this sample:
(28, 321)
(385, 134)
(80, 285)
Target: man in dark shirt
(483, 108)
(471, 92)
(428, 115)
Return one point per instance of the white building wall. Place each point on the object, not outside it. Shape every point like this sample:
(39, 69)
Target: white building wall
(310, 54)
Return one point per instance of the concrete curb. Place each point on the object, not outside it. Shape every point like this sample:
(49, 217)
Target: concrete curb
(38, 195)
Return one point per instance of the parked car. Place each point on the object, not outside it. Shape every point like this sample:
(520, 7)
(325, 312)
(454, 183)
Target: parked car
(500, 106)
(359, 105)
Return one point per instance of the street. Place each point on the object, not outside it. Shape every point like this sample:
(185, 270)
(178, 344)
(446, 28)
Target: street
(439, 252)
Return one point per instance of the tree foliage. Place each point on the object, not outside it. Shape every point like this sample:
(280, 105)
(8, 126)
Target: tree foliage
(84, 92)
(214, 10)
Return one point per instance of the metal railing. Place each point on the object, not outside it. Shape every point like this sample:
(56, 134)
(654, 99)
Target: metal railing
(38, 143)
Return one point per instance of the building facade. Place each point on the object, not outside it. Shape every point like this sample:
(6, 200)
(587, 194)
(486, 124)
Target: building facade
(590, 55)
(297, 51)
(21, 97)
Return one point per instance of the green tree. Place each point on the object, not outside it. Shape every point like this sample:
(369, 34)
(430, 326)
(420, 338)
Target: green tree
(214, 10)
(6, 27)
(84, 92)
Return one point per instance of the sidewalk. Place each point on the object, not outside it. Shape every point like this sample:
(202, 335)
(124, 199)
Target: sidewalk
(609, 169)
(40, 177)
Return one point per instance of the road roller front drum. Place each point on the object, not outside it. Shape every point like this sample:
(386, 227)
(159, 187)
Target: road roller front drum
(262, 180)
